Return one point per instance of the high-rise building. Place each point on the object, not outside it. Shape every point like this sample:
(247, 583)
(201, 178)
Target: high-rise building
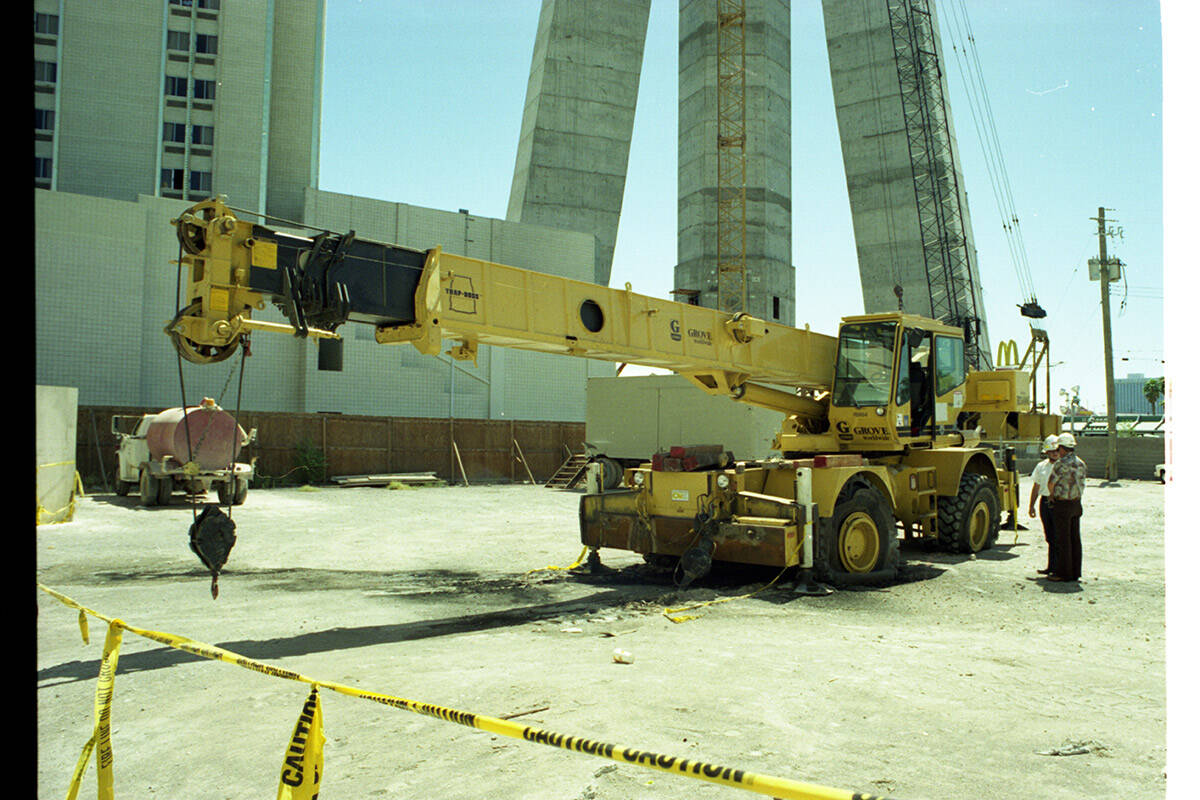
(171, 98)
(143, 107)
(1131, 395)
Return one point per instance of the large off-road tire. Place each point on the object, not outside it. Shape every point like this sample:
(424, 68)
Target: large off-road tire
(858, 545)
(148, 488)
(969, 522)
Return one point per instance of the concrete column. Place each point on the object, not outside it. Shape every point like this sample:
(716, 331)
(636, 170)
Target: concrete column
(770, 275)
(578, 122)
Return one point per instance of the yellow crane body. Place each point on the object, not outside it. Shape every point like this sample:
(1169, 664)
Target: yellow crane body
(873, 442)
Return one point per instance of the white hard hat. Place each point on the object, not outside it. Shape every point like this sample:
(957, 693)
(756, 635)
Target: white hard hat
(1051, 443)
(1066, 440)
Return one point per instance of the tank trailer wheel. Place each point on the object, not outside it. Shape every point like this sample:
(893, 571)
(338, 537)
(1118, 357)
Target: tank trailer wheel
(234, 489)
(858, 545)
(166, 487)
(969, 522)
(241, 488)
(148, 488)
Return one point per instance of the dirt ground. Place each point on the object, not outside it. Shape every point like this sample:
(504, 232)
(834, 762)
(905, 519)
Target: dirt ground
(963, 679)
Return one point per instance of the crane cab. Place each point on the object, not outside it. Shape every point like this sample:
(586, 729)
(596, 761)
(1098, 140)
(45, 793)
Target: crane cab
(898, 382)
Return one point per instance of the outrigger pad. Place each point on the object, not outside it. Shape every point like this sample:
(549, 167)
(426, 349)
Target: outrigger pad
(212, 537)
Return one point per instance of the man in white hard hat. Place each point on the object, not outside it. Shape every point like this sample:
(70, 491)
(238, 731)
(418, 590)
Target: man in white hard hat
(1068, 477)
(1041, 494)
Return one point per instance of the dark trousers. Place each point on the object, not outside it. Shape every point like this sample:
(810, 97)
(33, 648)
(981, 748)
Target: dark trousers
(1048, 528)
(1069, 556)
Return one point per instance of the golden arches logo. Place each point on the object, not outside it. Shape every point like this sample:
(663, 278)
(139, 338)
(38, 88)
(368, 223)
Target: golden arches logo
(1006, 355)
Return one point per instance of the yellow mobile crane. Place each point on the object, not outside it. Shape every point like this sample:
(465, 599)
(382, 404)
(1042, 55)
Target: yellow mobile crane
(872, 441)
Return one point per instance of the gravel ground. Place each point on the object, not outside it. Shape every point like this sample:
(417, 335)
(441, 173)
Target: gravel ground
(962, 679)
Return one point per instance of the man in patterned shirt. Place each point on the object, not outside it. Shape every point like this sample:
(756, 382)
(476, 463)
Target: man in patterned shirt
(1067, 481)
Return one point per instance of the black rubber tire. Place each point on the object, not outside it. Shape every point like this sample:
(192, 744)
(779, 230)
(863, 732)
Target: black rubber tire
(147, 488)
(241, 488)
(865, 506)
(119, 486)
(960, 516)
(223, 492)
(166, 487)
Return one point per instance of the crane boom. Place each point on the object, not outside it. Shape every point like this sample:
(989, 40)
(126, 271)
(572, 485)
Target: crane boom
(432, 299)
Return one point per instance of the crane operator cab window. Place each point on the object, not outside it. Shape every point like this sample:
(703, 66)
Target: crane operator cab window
(913, 384)
(951, 364)
(863, 376)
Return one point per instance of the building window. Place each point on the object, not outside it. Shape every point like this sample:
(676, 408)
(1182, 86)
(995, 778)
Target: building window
(775, 307)
(45, 71)
(172, 179)
(176, 87)
(204, 90)
(42, 167)
(185, 3)
(43, 119)
(178, 40)
(174, 132)
(206, 44)
(202, 134)
(45, 23)
(211, 5)
(200, 182)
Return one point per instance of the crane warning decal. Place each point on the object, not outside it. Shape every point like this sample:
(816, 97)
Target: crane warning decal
(462, 294)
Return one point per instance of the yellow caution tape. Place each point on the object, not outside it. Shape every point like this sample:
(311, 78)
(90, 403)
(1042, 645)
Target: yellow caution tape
(577, 562)
(671, 613)
(69, 508)
(102, 732)
(700, 770)
(304, 761)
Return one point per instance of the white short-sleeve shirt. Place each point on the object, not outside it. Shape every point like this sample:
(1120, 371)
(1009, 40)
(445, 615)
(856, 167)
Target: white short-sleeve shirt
(1041, 476)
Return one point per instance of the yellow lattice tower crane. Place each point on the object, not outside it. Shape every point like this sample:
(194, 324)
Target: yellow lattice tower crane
(731, 155)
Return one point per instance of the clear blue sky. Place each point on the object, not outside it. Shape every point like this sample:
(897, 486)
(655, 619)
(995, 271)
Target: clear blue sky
(423, 101)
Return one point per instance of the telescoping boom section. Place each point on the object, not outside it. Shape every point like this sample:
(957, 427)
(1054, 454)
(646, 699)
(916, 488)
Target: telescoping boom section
(872, 439)
(434, 300)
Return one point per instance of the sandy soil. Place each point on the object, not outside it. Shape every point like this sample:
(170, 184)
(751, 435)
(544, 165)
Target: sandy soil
(957, 681)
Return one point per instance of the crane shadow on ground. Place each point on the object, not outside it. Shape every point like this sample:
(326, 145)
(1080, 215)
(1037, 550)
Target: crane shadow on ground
(516, 601)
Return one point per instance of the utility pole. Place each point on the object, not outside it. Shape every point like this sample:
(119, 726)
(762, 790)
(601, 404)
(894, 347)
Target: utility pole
(1110, 464)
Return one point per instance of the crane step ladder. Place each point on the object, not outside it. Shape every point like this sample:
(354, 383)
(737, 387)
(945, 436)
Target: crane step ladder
(570, 473)
(924, 499)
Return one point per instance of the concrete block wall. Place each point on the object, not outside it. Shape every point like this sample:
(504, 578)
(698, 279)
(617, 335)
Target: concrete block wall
(769, 270)
(110, 107)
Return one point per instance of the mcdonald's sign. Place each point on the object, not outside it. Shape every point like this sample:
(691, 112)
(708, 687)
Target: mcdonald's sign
(1006, 355)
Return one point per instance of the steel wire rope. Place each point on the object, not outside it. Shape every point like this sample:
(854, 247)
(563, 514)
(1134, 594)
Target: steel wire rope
(187, 428)
(975, 88)
(986, 105)
(1006, 184)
